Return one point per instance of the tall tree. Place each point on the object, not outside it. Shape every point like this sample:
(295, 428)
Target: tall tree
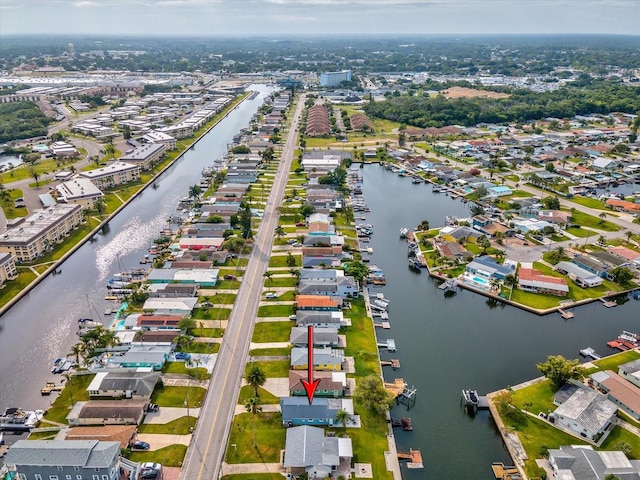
(255, 377)
(560, 370)
(253, 407)
(343, 417)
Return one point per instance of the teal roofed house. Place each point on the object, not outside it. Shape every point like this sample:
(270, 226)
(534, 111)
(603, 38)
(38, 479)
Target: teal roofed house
(149, 356)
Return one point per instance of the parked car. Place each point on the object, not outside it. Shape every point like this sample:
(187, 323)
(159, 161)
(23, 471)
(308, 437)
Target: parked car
(271, 295)
(139, 445)
(230, 277)
(153, 407)
(296, 244)
(150, 470)
(182, 356)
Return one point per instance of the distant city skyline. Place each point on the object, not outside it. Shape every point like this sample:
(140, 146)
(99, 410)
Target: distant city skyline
(286, 17)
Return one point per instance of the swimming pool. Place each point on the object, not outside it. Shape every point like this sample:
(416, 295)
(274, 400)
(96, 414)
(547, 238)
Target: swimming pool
(480, 280)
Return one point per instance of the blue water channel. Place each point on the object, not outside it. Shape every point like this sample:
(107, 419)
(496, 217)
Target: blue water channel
(449, 344)
(43, 325)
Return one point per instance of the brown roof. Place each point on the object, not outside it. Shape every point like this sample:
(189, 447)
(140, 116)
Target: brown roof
(296, 377)
(452, 249)
(321, 251)
(113, 409)
(114, 433)
(623, 204)
(159, 335)
(315, 301)
(159, 320)
(623, 390)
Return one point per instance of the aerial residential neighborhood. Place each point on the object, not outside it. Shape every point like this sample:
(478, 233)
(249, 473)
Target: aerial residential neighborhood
(333, 263)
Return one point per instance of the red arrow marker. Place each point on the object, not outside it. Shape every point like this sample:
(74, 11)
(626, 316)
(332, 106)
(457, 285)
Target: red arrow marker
(310, 385)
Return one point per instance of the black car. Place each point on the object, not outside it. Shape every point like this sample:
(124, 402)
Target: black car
(139, 445)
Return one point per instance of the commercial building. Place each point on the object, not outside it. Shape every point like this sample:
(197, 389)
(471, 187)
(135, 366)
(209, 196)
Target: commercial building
(334, 79)
(38, 232)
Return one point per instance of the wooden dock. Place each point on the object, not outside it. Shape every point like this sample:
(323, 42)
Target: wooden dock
(414, 457)
(502, 472)
(390, 345)
(565, 314)
(396, 388)
(51, 387)
(608, 303)
(383, 325)
(393, 363)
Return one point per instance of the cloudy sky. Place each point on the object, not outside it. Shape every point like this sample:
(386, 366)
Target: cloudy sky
(256, 17)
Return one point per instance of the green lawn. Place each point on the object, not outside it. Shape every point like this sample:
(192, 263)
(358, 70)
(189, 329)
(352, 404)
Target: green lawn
(281, 261)
(171, 456)
(181, 368)
(269, 436)
(74, 391)
(540, 395)
(580, 232)
(208, 332)
(247, 392)
(590, 221)
(176, 396)
(213, 313)
(618, 434)
(361, 341)
(253, 476)
(270, 352)
(613, 361)
(290, 281)
(275, 310)
(588, 202)
(273, 368)
(179, 426)
(201, 347)
(535, 300)
(264, 332)
(14, 287)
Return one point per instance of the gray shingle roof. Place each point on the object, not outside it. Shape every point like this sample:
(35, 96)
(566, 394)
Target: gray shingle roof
(82, 453)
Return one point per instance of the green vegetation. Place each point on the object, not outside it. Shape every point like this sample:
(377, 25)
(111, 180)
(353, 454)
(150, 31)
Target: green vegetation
(588, 202)
(589, 221)
(612, 362)
(14, 287)
(270, 436)
(618, 434)
(176, 396)
(21, 120)
(265, 332)
(281, 261)
(275, 310)
(181, 368)
(270, 352)
(253, 476)
(361, 340)
(179, 426)
(537, 397)
(171, 456)
(273, 368)
(246, 392)
(75, 391)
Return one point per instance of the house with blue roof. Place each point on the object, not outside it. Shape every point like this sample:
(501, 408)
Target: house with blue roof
(487, 267)
(322, 411)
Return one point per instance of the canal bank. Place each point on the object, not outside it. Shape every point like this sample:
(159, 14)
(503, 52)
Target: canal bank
(54, 267)
(465, 341)
(42, 325)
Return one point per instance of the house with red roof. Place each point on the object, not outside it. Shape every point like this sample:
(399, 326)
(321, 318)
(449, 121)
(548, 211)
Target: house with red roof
(531, 280)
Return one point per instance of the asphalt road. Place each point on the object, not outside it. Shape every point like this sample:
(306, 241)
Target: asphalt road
(206, 452)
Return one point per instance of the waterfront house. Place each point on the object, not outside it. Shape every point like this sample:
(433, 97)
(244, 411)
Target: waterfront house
(123, 434)
(531, 280)
(626, 254)
(322, 411)
(580, 276)
(172, 290)
(107, 412)
(460, 234)
(322, 337)
(307, 450)
(145, 356)
(152, 321)
(324, 359)
(170, 306)
(554, 216)
(631, 371)
(453, 250)
(200, 243)
(586, 413)
(488, 268)
(608, 259)
(623, 205)
(319, 303)
(584, 463)
(624, 394)
(590, 264)
(54, 459)
(332, 384)
(204, 277)
(125, 384)
(341, 286)
(320, 319)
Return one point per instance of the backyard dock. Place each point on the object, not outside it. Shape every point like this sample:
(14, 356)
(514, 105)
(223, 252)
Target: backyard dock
(565, 314)
(590, 353)
(51, 387)
(414, 457)
(393, 363)
(390, 345)
(449, 286)
(383, 325)
(608, 303)
(502, 472)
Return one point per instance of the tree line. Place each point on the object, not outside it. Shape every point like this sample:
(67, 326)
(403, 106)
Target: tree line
(586, 96)
(20, 120)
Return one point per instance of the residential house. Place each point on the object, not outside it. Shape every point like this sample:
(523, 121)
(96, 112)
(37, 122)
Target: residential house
(586, 413)
(610, 260)
(341, 286)
(53, 459)
(626, 254)
(320, 319)
(107, 412)
(453, 250)
(322, 411)
(332, 384)
(149, 321)
(204, 277)
(307, 450)
(580, 276)
(460, 234)
(126, 384)
(584, 463)
(123, 434)
(172, 290)
(324, 359)
(318, 303)
(590, 264)
(488, 268)
(322, 337)
(554, 216)
(531, 280)
(170, 306)
(631, 371)
(623, 205)
(624, 394)
(200, 243)
(146, 356)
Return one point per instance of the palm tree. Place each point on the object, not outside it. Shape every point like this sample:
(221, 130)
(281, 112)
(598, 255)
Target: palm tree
(343, 417)
(76, 350)
(280, 232)
(602, 217)
(629, 235)
(68, 376)
(268, 276)
(183, 341)
(195, 191)
(35, 175)
(255, 377)
(560, 251)
(253, 407)
(495, 284)
(485, 243)
(602, 239)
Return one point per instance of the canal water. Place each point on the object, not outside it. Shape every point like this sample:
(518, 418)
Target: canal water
(43, 325)
(449, 344)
